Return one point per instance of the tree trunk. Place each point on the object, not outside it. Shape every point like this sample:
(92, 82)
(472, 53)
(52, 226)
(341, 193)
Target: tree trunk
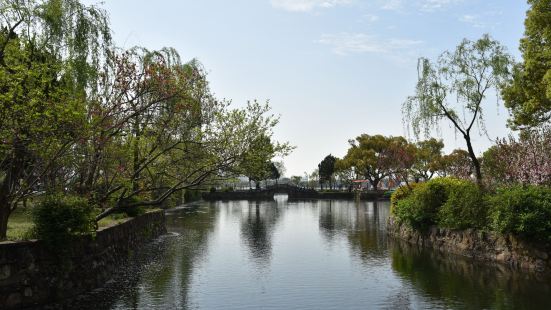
(136, 156)
(5, 211)
(476, 163)
(375, 183)
(4, 215)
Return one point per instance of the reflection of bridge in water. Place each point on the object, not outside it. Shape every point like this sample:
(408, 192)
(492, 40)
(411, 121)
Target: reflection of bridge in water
(292, 191)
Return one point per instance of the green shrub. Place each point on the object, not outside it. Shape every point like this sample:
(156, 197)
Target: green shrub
(420, 207)
(522, 210)
(401, 193)
(58, 219)
(134, 211)
(464, 208)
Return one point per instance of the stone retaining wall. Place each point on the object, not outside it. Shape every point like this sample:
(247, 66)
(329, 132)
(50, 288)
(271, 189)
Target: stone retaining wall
(31, 276)
(480, 245)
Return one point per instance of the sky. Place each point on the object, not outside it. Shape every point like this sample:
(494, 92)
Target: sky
(331, 69)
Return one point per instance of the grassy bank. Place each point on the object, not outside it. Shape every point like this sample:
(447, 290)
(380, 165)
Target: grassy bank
(21, 223)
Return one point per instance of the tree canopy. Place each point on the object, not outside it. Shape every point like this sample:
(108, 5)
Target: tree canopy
(326, 170)
(456, 87)
(528, 93)
(374, 157)
(118, 128)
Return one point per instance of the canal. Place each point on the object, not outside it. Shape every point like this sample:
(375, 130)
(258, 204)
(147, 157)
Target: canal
(304, 255)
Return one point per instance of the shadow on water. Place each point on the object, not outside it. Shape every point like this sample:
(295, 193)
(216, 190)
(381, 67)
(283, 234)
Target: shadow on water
(158, 275)
(461, 283)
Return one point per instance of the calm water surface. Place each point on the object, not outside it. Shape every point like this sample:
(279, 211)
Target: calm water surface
(304, 255)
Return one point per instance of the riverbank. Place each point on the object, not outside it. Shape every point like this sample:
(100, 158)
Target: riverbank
(31, 275)
(480, 245)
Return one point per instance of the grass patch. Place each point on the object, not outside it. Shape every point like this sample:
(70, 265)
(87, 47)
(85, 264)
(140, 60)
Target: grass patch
(19, 224)
(112, 220)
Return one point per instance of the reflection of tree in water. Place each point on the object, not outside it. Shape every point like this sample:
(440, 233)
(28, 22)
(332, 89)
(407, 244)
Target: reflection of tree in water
(257, 226)
(327, 221)
(164, 267)
(336, 219)
(368, 238)
(462, 283)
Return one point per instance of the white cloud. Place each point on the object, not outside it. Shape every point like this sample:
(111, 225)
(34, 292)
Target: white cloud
(422, 5)
(370, 18)
(393, 5)
(481, 21)
(472, 20)
(348, 43)
(306, 5)
(433, 5)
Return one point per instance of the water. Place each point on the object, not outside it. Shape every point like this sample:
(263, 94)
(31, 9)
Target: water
(304, 255)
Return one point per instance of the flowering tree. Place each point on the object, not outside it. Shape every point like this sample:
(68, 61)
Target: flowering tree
(525, 160)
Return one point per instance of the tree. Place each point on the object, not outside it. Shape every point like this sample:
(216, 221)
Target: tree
(344, 175)
(326, 170)
(274, 172)
(458, 164)
(121, 129)
(464, 77)
(528, 93)
(374, 157)
(403, 156)
(427, 157)
(313, 178)
(296, 180)
(256, 163)
(50, 53)
(525, 160)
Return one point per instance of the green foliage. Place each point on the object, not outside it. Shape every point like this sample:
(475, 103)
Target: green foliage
(326, 169)
(79, 115)
(194, 195)
(257, 163)
(274, 172)
(464, 208)
(522, 210)
(457, 164)
(455, 88)
(420, 208)
(528, 94)
(130, 207)
(401, 193)
(58, 219)
(448, 202)
(428, 156)
(376, 157)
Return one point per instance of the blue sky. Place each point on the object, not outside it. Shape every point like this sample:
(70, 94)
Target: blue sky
(333, 69)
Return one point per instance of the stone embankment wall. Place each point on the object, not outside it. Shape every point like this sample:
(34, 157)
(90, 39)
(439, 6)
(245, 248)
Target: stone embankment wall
(480, 245)
(31, 276)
